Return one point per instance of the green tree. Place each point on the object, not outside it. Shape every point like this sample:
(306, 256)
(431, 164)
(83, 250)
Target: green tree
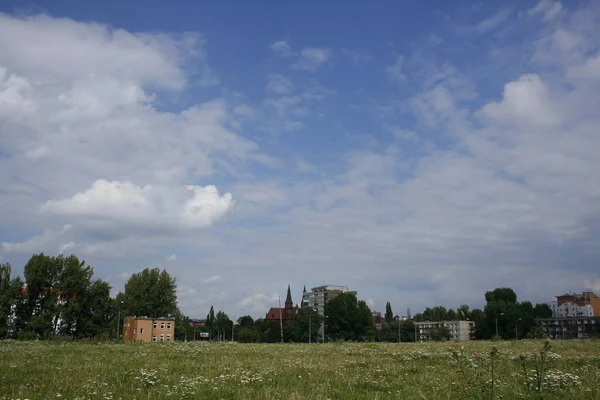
(245, 322)
(223, 324)
(501, 307)
(441, 333)
(40, 307)
(150, 293)
(478, 317)
(10, 291)
(389, 315)
(347, 318)
(463, 313)
(542, 311)
(306, 319)
(249, 335)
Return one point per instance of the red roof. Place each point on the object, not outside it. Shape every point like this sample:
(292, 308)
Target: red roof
(274, 313)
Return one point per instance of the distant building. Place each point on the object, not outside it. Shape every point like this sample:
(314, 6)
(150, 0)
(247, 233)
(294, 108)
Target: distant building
(570, 327)
(584, 304)
(285, 314)
(377, 318)
(320, 295)
(197, 323)
(144, 329)
(459, 330)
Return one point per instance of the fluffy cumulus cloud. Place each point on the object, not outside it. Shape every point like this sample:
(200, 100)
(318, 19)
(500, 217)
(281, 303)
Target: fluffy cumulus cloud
(189, 207)
(475, 174)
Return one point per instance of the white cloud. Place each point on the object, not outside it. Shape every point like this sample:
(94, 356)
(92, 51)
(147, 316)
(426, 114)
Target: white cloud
(49, 241)
(77, 50)
(125, 204)
(312, 58)
(171, 257)
(279, 84)
(549, 8)
(526, 103)
(396, 70)
(282, 47)
(212, 279)
(493, 22)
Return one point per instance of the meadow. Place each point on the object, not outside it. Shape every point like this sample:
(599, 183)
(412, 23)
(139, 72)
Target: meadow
(201, 370)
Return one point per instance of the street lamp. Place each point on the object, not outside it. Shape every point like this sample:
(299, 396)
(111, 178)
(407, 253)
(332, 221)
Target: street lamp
(119, 319)
(232, 325)
(501, 314)
(516, 332)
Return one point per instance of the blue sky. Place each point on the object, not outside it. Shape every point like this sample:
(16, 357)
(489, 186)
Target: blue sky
(418, 152)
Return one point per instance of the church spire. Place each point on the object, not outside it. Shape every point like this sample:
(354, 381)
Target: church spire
(304, 291)
(288, 299)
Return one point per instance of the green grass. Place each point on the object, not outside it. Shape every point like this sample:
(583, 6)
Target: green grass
(51, 370)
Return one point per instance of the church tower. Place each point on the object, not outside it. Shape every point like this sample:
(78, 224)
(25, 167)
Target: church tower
(289, 305)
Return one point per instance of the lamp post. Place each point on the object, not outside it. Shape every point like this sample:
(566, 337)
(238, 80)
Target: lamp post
(119, 319)
(232, 325)
(516, 332)
(280, 319)
(497, 322)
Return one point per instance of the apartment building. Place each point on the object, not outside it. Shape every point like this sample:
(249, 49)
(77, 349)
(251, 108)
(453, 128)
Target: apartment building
(584, 304)
(570, 327)
(144, 329)
(459, 330)
(320, 295)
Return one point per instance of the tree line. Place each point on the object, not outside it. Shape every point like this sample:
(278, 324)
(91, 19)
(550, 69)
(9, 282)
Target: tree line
(59, 296)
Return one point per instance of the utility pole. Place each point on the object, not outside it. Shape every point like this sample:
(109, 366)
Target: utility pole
(119, 319)
(280, 319)
(497, 323)
(232, 325)
(415, 324)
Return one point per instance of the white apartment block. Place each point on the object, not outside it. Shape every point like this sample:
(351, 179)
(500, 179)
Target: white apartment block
(320, 295)
(567, 310)
(459, 330)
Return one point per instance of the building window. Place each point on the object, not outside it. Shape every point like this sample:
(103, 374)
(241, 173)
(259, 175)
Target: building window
(154, 338)
(168, 338)
(162, 338)
(162, 325)
(168, 325)
(134, 331)
(154, 325)
(141, 331)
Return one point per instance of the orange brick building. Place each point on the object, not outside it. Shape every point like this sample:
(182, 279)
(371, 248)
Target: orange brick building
(144, 329)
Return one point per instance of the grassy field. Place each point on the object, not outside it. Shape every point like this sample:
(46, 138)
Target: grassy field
(51, 370)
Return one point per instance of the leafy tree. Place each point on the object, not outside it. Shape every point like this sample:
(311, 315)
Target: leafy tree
(306, 319)
(245, 322)
(389, 315)
(451, 315)
(39, 314)
(347, 318)
(501, 306)
(441, 333)
(542, 311)
(150, 293)
(478, 317)
(271, 332)
(10, 290)
(249, 335)
(223, 323)
(463, 313)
